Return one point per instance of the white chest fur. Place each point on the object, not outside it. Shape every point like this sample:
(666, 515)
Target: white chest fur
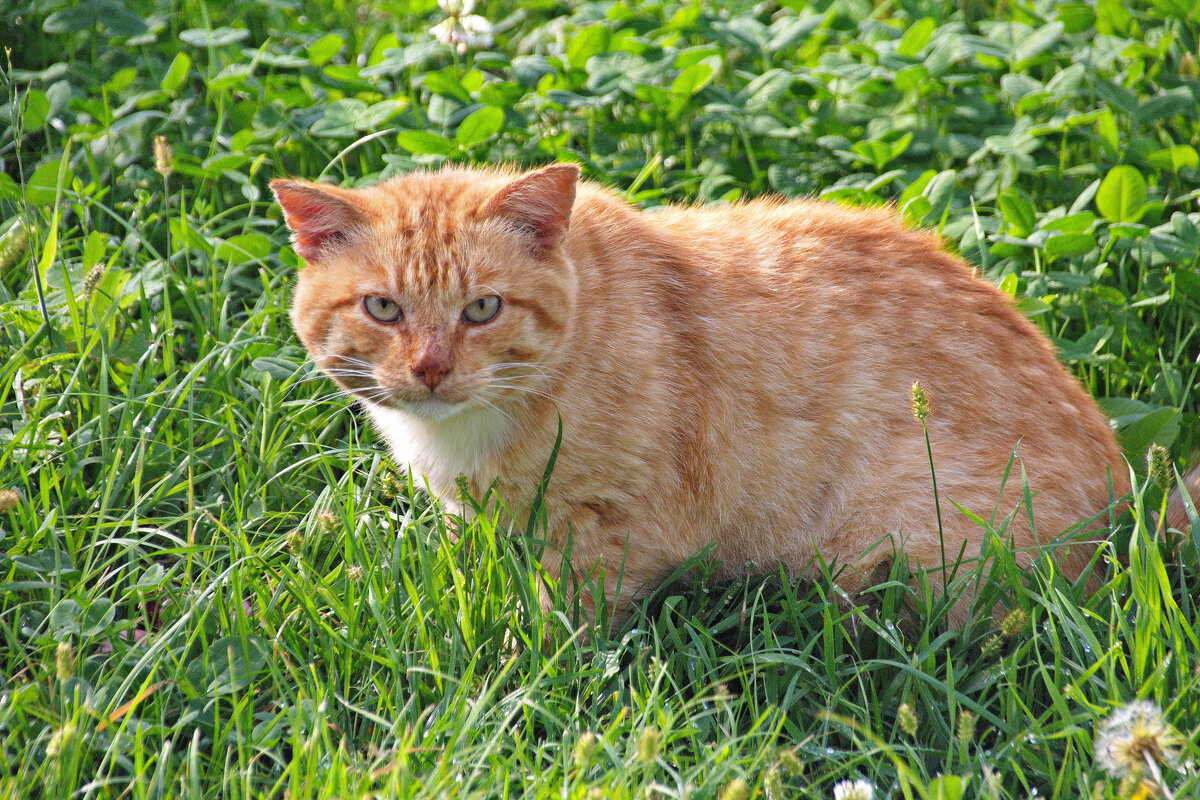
(465, 443)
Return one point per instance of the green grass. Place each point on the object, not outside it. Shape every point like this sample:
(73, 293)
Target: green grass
(214, 584)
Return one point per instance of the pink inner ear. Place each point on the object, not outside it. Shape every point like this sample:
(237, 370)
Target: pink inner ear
(317, 218)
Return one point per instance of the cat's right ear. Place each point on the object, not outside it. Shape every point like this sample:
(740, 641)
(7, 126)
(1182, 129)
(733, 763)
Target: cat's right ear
(317, 216)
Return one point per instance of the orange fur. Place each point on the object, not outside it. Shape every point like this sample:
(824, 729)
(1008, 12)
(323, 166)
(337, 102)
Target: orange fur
(736, 376)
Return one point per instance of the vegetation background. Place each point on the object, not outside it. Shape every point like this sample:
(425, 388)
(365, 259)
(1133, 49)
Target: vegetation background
(213, 584)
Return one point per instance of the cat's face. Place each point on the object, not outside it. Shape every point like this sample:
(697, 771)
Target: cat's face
(435, 293)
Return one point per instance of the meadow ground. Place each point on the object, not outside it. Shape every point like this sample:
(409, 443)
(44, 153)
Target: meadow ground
(214, 584)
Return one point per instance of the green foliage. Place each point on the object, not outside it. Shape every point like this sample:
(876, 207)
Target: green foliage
(212, 583)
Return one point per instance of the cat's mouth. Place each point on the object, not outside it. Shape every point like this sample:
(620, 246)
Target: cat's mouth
(433, 407)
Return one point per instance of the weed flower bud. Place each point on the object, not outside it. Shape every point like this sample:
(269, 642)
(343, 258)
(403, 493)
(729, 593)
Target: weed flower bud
(164, 159)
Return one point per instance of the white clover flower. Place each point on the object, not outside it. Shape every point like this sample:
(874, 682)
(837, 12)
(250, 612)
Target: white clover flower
(457, 8)
(462, 29)
(479, 30)
(853, 790)
(1135, 737)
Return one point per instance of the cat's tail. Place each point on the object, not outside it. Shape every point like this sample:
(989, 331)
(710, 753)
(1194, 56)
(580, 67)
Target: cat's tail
(1177, 516)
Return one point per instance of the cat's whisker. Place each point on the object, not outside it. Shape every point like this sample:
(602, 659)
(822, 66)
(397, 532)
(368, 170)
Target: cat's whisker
(521, 390)
(534, 368)
(495, 408)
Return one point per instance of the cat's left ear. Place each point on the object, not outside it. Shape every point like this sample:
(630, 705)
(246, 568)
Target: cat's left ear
(539, 203)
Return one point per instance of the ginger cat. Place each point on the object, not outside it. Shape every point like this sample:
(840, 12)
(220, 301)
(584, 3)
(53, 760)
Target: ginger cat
(735, 376)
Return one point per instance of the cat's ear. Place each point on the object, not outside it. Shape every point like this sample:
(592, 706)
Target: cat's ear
(538, 203)
(318, 215)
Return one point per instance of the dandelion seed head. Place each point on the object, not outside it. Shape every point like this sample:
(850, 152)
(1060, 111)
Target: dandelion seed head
(1133, 737)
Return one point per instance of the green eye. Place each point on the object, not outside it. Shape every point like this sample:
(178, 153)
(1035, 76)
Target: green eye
(382, 309)
(482, 310)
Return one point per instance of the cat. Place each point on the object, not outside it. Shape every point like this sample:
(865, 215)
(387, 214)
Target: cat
(735, 377)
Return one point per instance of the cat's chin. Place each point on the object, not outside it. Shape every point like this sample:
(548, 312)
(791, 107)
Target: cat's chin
(431, 408)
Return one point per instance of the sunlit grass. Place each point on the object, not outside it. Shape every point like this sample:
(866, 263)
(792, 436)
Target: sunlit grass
(214, 583)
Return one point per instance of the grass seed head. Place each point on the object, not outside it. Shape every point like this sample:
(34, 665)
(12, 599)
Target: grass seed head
(92, 280)
(327, 522)
(908, 718)
(354, 573)
(649, 744)
(164, 158)
(585, 748)
(966, 727)
(1136, 736)
(854, 790)
(773, 784)
(64, 662)
(791, 763)
(1188, 66)
(294, 541)
(1014, 622)
(60, 740)
(737, 789)
(920, 402)
(1158, 466)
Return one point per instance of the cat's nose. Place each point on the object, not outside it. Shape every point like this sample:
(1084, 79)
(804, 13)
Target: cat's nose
(432, 365)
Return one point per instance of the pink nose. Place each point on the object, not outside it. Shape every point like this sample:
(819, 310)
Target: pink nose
(431, 365)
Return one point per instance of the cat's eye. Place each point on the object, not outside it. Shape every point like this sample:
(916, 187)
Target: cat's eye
(382, 309)
(482, 310)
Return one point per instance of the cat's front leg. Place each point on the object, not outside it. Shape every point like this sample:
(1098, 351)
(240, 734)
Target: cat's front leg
(608, 566)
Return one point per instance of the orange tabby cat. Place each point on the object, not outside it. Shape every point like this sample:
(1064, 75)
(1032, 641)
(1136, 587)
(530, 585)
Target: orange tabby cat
(732, 376)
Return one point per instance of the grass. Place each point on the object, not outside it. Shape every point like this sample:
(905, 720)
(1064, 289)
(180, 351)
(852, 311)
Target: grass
(213, 583)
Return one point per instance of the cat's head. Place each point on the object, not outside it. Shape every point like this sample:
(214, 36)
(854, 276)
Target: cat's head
(438, 292)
